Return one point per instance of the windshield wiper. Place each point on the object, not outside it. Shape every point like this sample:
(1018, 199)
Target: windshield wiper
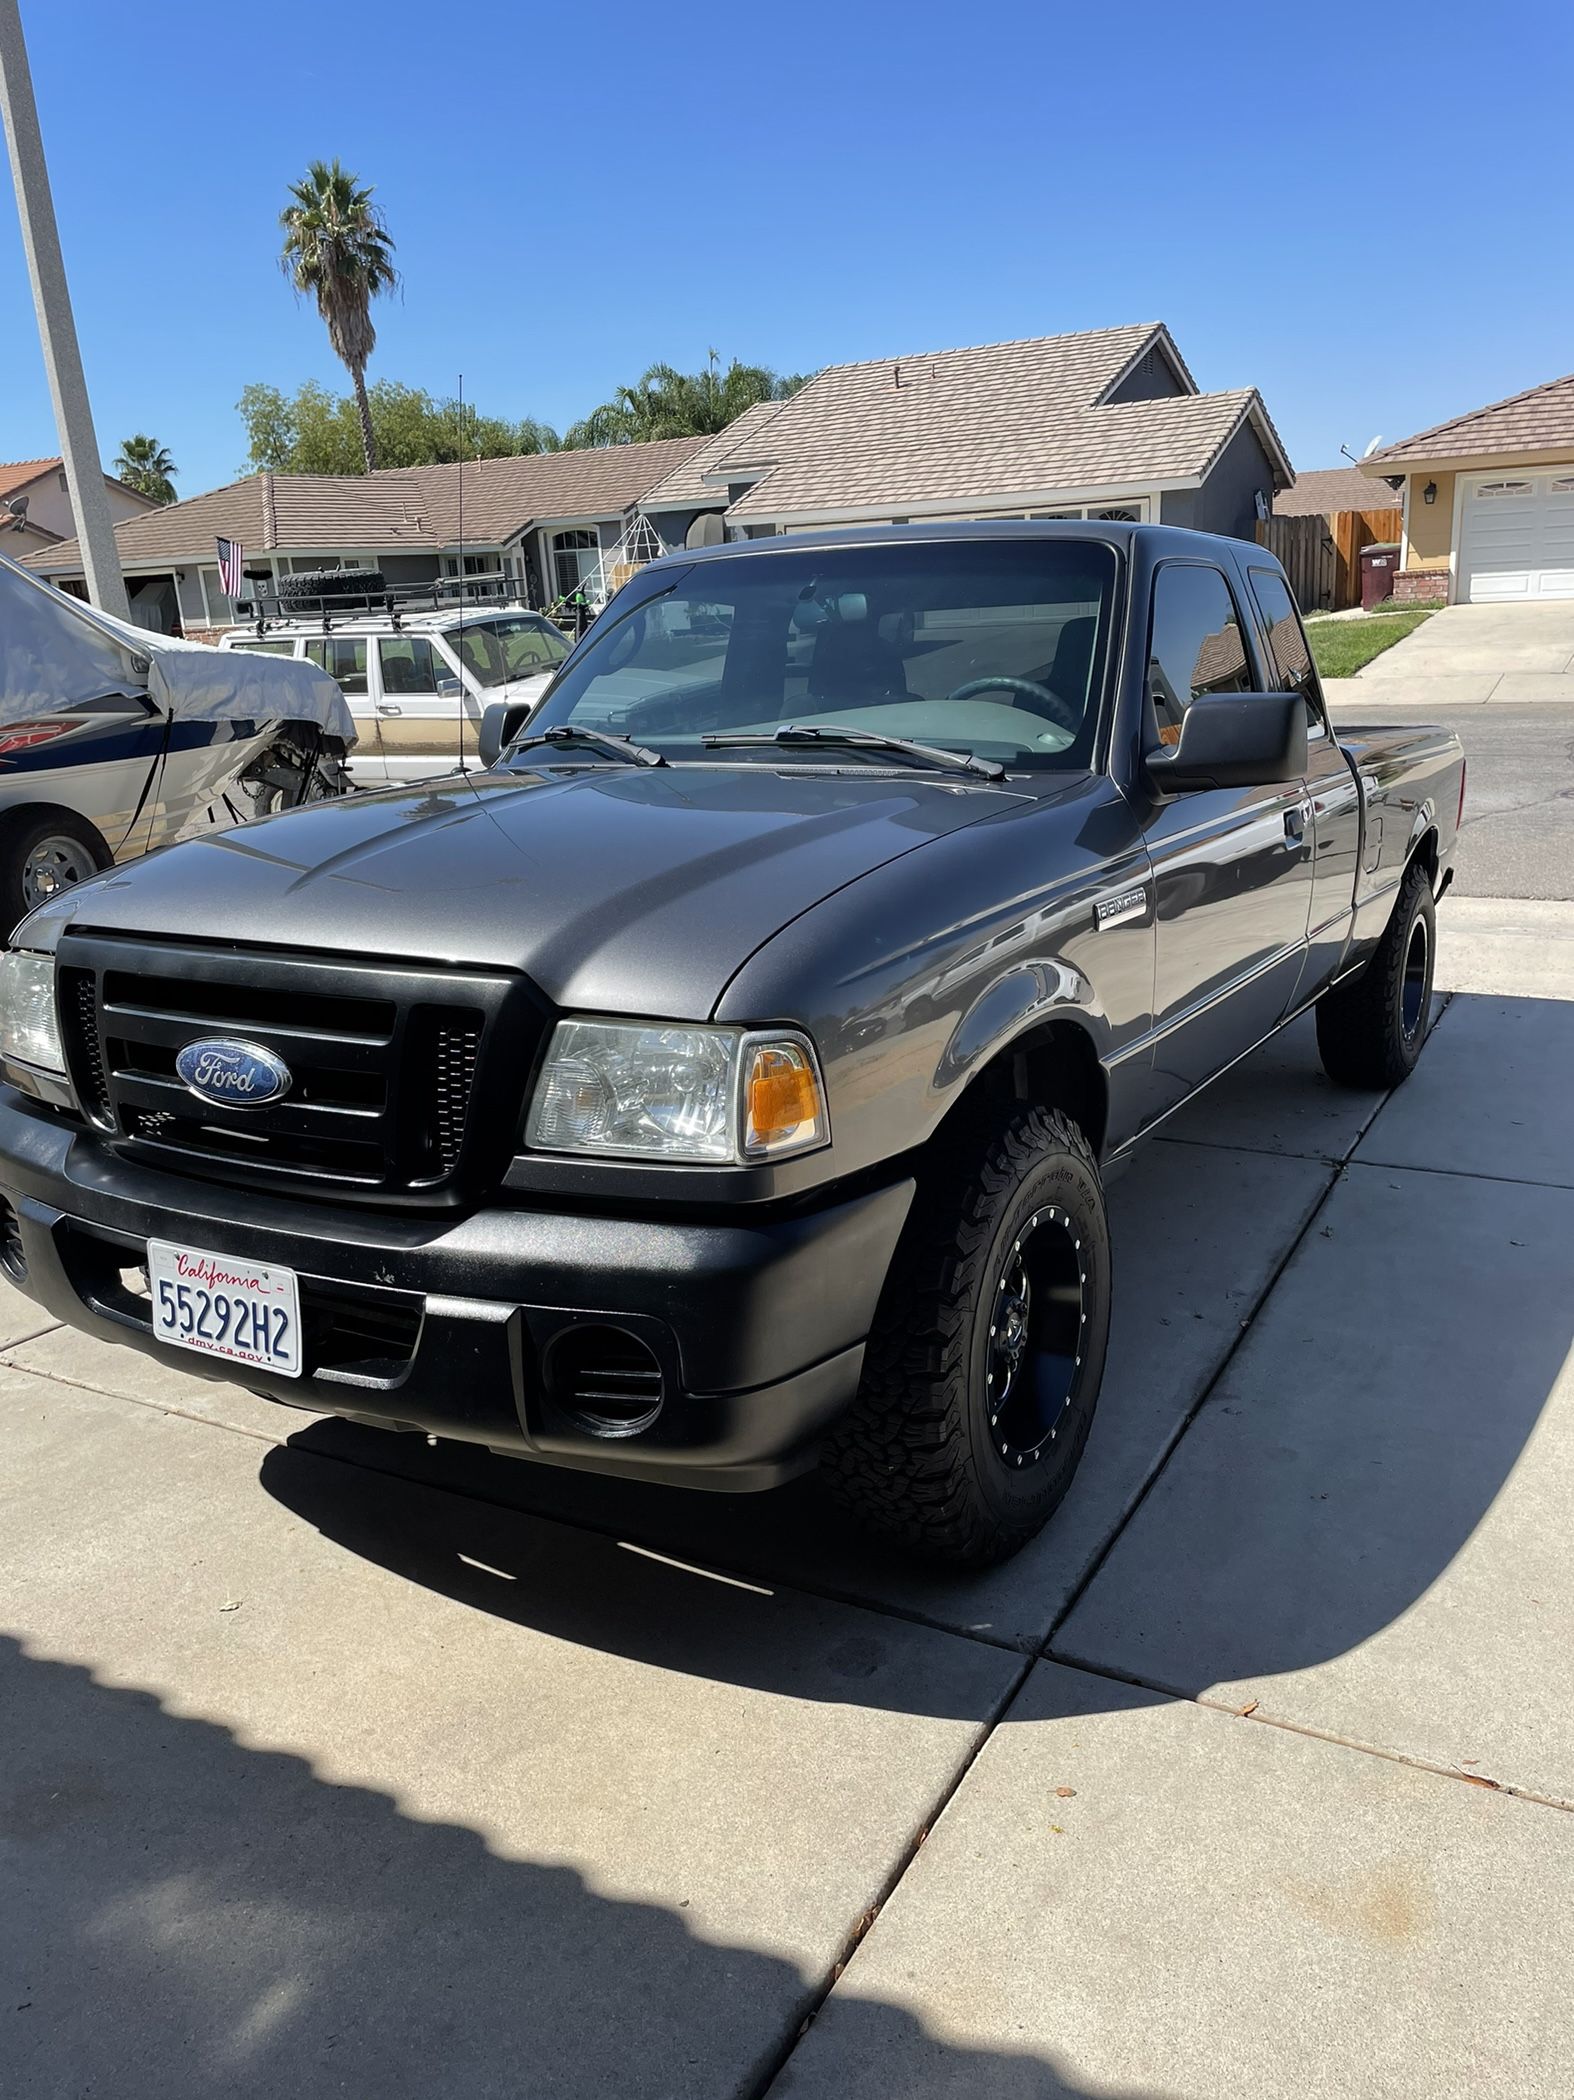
(792, 733)
(603, 739)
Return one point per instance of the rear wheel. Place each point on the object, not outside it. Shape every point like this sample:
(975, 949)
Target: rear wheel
(43, 852)
(1370, 1028)
(982, 1371)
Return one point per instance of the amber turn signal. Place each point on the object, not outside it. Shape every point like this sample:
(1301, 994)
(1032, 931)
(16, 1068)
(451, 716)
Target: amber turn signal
(786, 1108)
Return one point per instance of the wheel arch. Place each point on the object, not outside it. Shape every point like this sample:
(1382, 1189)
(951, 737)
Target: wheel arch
(1052, 1059)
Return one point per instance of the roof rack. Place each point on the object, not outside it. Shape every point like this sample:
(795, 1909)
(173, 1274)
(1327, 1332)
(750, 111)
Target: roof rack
(263, 609)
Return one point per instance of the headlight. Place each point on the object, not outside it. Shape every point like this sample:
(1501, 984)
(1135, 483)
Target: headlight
(29, 1025)
(642, 1090)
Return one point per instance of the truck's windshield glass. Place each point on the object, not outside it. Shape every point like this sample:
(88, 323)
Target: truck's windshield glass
(513, 645)
(994, 647)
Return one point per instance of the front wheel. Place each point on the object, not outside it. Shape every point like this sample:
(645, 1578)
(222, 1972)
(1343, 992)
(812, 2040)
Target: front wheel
(1370, 1028)
(43, 852)
(983, 1368)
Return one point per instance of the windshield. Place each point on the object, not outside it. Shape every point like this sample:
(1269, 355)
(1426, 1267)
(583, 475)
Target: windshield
(994, 647)
(514, 645)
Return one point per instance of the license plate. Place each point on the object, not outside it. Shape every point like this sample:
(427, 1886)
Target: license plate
(248, 1312)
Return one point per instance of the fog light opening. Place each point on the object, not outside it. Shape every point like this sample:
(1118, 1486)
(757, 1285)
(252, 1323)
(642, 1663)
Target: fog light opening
(606, 1380)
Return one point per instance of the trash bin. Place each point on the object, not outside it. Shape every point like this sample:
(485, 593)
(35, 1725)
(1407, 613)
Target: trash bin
(1379, 567)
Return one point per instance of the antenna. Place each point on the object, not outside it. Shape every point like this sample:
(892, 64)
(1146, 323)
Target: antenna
(461, 700)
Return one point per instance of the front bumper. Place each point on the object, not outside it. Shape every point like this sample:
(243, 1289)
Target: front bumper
(449, 1327)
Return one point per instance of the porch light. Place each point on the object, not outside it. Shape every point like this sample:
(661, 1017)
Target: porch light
(1429, 493)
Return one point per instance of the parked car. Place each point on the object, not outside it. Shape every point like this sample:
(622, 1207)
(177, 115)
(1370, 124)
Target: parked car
(725, 1082)
(417, 680)
(113, 741)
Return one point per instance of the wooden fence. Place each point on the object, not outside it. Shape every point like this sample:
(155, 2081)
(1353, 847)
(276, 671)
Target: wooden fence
(1322, 555)
(1306, 549)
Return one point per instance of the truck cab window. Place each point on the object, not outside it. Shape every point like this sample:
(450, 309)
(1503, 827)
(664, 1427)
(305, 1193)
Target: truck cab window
(1195, 643)
(343, 657)
(1290, 657)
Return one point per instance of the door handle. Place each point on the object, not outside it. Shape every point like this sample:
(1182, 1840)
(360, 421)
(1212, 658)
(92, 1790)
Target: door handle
(387, 707)
(1295, 824)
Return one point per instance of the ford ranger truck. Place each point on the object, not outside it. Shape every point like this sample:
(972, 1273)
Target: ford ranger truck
(723, 1082)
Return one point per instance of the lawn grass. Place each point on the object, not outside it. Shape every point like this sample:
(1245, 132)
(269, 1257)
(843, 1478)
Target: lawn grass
(1341, 647)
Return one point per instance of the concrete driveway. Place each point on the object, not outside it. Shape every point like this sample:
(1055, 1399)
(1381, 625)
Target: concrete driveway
(334, 1762)
(1468, 654)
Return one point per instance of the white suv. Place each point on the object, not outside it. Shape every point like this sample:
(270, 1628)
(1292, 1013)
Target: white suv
(417, 683)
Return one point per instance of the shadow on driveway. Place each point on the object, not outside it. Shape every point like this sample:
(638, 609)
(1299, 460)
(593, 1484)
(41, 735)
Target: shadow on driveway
(186, 1916)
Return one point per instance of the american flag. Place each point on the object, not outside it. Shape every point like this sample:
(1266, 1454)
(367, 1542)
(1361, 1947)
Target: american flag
(231, 555)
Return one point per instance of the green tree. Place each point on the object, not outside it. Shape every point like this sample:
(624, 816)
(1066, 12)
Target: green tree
(313, 431)
(666, 403)
(143, 464)
(337, 247)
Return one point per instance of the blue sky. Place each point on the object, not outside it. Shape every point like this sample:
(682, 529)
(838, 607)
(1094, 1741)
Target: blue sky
(1361, 209)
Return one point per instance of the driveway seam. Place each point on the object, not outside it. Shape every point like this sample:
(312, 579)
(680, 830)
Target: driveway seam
(816, 1998)
(104, 1392)
(1412, 1758)
(1407, 1166)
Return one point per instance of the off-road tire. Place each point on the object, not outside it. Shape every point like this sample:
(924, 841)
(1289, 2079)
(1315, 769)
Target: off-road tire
(324, 588)
(1370, 1029)
(22, 832)
(914, 1458)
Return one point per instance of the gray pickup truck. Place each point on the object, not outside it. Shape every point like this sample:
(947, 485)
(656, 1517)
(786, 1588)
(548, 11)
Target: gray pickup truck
(724, 1081)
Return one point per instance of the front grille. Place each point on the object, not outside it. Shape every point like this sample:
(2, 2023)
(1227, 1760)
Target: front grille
(404, 1082)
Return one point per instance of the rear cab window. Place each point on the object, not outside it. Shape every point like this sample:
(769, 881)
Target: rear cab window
(1289, 653)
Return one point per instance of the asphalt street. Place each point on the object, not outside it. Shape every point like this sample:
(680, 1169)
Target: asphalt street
(1518, 834)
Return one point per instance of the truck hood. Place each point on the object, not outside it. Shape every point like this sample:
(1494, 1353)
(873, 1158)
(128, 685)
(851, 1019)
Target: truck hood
(616, 889)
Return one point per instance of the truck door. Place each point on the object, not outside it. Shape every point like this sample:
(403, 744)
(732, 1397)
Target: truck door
(423, 720)
(1232, 866)
(1330, 780)
(344, 658)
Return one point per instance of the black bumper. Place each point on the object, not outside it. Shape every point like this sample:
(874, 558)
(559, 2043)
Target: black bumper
(449, 1326)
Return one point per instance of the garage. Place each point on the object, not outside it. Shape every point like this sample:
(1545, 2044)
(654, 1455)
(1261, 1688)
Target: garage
(1516, 535)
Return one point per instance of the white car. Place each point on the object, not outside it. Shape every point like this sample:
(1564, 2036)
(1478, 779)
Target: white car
(114, 741)
(417, 682)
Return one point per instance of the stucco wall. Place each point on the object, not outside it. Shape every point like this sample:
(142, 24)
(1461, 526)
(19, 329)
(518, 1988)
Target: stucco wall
(1429, 525)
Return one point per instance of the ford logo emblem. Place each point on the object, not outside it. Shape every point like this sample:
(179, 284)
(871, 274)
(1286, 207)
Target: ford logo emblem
(232, 1074)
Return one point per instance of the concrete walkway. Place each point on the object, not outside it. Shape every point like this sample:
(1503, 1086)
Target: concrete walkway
(1470, 654)
(335, 1763)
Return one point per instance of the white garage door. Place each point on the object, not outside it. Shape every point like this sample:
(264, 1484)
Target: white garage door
(1516, 536)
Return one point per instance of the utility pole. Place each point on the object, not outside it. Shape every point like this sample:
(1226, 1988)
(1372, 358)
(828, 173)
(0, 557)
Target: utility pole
(56, 328)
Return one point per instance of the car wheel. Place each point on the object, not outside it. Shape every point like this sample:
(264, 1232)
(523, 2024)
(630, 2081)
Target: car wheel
(43, 852)
(983, 1367)
(1370, 1028)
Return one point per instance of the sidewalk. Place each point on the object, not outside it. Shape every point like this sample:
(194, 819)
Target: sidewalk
(334, 1762)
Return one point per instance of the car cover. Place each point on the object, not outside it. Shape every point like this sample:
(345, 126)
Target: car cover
(57, 653)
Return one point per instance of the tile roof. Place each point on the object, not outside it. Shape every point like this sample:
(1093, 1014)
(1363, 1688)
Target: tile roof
(999, 420)
(1539, 420)
(18, 473)
(398, 507)
(687, 485)
(1329, 489)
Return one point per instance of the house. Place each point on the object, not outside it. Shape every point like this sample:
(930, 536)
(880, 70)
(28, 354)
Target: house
(35, 506)
(1105, 423)
(1354, 513)
(1488, 502)
(548, 523)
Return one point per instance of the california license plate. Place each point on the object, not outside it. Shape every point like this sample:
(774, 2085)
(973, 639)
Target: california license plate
(248, 1312)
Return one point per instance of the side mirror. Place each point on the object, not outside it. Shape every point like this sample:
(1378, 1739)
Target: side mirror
(1234, 740)
(450, 689)
(501, 722)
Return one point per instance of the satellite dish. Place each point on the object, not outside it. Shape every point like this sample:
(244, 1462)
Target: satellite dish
(1371, 448)
(16, 509)
(707, 530)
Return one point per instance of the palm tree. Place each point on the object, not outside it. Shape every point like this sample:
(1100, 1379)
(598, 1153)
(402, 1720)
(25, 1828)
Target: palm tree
(336, 247)
(143, 464)
(665, 403)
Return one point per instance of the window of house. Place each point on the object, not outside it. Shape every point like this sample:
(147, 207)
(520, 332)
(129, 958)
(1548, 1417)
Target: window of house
(1503, 488)
(409, 664)
(1195, 646)
(343, 657)
(1562, 485)
(576, 556)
